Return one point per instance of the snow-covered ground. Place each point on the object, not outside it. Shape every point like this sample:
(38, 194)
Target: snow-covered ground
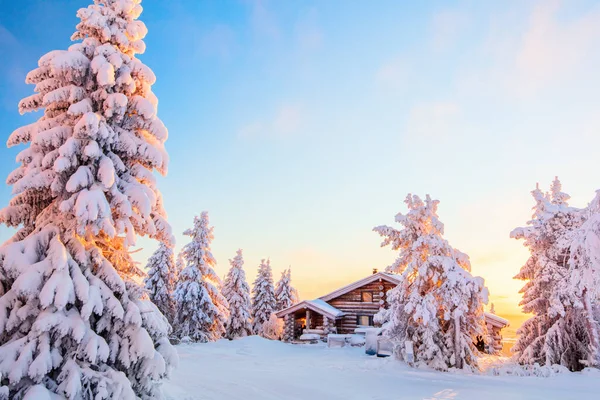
(256, 368)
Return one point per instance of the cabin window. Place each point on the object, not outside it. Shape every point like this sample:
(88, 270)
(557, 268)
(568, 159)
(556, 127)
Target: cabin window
(364, 320)
(367, 297)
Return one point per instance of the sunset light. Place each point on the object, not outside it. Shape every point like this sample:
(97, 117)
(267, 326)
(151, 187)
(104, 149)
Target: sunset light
(262, 182)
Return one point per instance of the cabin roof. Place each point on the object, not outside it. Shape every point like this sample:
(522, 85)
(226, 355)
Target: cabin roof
(316, 305)
(395, 279)
(496, 320)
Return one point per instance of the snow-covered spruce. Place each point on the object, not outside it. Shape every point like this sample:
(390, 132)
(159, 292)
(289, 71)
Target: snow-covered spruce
(439, 305)
(179, 266)
(584, 278)
(72, 321)
(263, 296)
(284, 293)
(201, 309)
(237, 293)
(562, 329)
(161, 279)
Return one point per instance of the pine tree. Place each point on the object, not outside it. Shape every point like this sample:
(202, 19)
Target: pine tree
(295, 296)
(72, 320)
(201, 309)
(584, 282)
(557, 333)
(160, 280)
(263, 296)
(237, 293)
(438, 306)
(179, 266)
(284, 293)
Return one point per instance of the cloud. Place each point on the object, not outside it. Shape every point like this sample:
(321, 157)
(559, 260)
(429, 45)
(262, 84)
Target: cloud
(554, 48)
(394, 74)
(219, 41)
(285, 122)
(446, 28)
(7, 39)
(433, 120)
(263, 20)
(548, 50)
(309, 36)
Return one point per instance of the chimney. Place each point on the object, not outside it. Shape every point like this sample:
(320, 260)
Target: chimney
(374, 271)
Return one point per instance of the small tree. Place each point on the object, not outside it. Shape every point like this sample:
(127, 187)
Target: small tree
(263, 296)
(160, 280)
(201, 309)
(438, 306)
(237, 293)
(73, 323)
(273, 328)
(284, 293)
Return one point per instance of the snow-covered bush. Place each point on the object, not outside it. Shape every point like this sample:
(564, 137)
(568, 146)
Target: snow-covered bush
(72, 320)
(273, 328)
(562, 329)
(237, 293)
(263, 296)
(542, 371)
(201, 309)
(438, 306)
(160, 280)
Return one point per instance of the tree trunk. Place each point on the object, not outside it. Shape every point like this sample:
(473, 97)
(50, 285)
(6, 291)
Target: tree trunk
(457, 357)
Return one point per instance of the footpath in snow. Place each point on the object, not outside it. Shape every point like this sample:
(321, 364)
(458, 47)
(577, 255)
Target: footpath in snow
(256, 368)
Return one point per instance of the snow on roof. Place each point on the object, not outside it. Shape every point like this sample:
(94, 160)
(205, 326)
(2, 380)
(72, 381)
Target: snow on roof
(327, 308)
(371, 278)
(496, 320)
(317, 305)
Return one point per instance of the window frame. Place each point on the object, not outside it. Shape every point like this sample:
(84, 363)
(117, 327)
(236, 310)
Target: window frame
(362, 299)
(369, 319)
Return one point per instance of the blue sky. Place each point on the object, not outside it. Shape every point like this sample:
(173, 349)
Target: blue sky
(301, 125)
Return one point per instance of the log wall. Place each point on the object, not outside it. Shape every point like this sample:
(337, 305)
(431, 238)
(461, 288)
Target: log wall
(352, 305)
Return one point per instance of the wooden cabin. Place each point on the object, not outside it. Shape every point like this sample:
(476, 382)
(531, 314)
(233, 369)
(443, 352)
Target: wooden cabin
(352, 307)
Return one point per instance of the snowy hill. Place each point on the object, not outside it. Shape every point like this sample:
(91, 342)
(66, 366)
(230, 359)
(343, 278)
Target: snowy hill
(257, 368)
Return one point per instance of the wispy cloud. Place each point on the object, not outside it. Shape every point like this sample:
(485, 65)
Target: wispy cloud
(549, 51)
(7, 38)
(447, 27)
(433, 120)
(285, 122)
(219, 41)
(554, 48)
(263, 20)
(309, 36)
(393, 74)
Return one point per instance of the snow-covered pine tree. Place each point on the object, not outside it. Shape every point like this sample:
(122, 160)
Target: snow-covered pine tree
(237, 293)
(72, 321)
(584, 280)
(284, 291)
(161, 279)
(179, 266)
(557, 333)
(438, 306)
(201, 309)
(295, 296)
(263, 296)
